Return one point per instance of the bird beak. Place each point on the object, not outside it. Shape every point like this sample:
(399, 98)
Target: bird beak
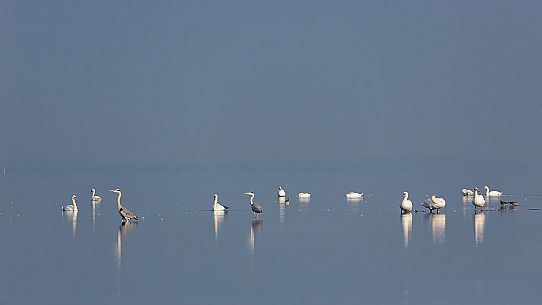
(112, 191)
(246, 193)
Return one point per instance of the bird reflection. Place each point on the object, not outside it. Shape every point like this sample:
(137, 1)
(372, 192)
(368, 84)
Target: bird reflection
(406, 222)
(218, 217)
(93, 216)
(353, 200)
(255, 228)
(438, 227)
(72, 216)
(124, 229)
(479, 224)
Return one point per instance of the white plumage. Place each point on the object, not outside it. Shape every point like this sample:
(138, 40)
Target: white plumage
(434, 203)
(217, 206)
(281, 192)
(354, 195)
(304, 195)
(467, 192)
(406, 204)
(478, 201)
(492, 193)
(71, 207)
(95, 198)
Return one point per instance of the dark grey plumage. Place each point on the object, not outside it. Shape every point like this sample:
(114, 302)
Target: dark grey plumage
(126, 214)
(256, 208)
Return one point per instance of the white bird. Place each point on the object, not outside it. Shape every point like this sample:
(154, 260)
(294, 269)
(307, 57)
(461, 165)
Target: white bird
(406, 204)
(281, 192)
(217, 206)
(492, 193)
(354, 195)
(124, 213)
(95, 198)
(478, 201)
(434, 203)
(71, 207)
(467, 192)
(304, 195)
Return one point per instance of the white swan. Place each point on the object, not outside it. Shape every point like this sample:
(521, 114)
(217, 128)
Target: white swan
(406, 204)
(71, 207)
(478, 201)
(217, 206)
(467, 192)
(95, 197)
(354, 195)
(281, 192)
(434, 203)
(492, 193)
(304, 195)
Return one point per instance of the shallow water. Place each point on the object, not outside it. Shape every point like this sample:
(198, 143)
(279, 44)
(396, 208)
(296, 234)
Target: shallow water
(325, 251)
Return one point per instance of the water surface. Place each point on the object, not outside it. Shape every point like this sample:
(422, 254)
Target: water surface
(325, 251)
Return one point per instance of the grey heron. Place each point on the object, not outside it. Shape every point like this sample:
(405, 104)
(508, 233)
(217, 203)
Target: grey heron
(256, 208)
(71, 207)
(126, 214)
(217, 206)
(95, 198)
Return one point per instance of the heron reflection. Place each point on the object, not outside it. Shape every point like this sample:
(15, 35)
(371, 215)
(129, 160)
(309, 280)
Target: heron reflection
(438, 227)
(479, 224)
(124, 229)
(255, 228)
(406, 222)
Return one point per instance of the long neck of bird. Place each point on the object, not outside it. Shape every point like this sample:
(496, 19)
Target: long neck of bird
(74, 203)
(251, 199)
(216, 200)
(118, 201)
(93, 192)
(406, 196)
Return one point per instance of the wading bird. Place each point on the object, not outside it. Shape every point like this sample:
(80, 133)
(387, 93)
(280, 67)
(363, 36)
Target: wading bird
(256, 208)
(126, 214)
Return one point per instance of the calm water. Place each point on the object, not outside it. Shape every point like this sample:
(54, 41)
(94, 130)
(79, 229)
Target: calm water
(326, 251)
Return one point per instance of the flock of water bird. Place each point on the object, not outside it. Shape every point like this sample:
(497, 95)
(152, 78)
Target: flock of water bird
(433, 203)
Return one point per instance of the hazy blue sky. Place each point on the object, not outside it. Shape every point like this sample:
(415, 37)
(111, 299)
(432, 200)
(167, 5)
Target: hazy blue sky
(91, 84)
